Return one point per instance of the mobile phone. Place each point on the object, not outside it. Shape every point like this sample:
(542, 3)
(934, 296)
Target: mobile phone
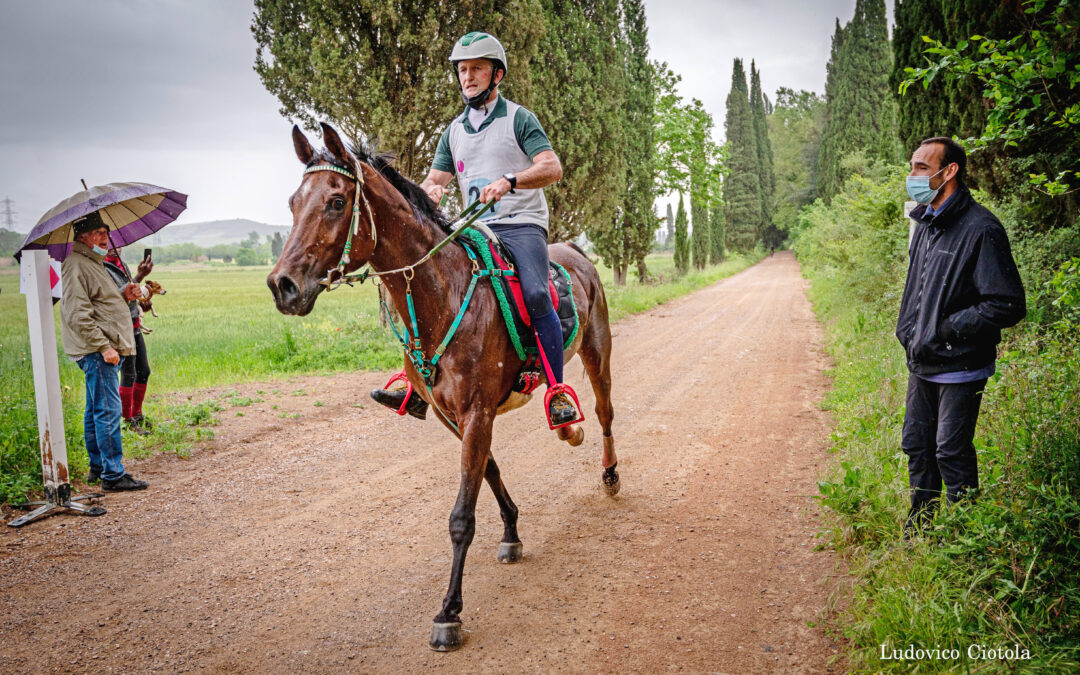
(146, 254)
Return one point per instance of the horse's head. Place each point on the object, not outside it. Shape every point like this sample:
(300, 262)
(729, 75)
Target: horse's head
(322, 209)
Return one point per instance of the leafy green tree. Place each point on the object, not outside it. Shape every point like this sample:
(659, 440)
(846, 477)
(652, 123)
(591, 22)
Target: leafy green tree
(276, 246)
(1029, 81)
(682, 244)
(766, 178)
(742, 189)
(249, 256)
(795, 126)
(687, 159)
(379, 69)
(717, 234)
(860, 113)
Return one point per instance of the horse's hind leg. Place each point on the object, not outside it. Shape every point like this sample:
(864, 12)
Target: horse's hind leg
(596, 355)
(510, 548)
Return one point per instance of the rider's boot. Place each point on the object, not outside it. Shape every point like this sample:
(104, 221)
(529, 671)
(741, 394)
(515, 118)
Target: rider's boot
(561, 404)
(561, 410)
(401, 399)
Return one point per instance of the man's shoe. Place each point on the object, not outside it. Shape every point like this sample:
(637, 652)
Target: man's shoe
(393, 398)
(93, 477)
(125, 482)
(561, 410)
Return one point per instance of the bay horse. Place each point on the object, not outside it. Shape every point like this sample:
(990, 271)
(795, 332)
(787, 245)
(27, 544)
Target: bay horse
(398, 226)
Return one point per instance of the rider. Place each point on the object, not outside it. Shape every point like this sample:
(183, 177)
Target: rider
(500, 153)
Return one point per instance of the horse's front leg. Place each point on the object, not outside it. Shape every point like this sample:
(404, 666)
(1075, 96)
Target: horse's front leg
(475, 444)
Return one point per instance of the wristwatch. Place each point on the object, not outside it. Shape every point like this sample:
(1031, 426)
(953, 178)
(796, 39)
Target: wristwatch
(512, 179)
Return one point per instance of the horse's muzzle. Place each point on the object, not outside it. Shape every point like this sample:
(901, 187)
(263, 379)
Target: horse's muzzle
(288, 296)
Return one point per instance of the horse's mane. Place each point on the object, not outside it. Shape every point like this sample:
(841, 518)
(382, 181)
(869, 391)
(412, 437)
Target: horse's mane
(383, 163)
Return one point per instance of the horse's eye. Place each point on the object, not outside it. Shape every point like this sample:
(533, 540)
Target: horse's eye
(337, 203)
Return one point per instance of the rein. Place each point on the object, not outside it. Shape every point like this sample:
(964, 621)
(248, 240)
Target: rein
(335, 276)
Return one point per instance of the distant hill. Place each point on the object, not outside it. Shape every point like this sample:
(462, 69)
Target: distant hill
(212, 233)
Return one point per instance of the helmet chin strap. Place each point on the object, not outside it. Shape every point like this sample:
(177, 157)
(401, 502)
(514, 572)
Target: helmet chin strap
(480, 100)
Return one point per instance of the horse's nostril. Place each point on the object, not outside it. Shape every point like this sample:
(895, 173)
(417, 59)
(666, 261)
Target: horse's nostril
(288, 289)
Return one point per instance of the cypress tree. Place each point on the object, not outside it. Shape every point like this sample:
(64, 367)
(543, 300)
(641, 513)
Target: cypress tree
(582, 69)
(669, 238)
(682, 245)
(716, 225)
(742, 188)
(860, 112)
(764, 148)
(701, 235)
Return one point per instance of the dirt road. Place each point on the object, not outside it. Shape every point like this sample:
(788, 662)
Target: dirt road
(319, 543)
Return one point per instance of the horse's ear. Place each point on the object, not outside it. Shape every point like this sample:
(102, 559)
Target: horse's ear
(303, 148)
(333, 143)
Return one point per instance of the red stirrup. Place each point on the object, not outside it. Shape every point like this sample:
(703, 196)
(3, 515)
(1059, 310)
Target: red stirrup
(401, 377)
(556, 388)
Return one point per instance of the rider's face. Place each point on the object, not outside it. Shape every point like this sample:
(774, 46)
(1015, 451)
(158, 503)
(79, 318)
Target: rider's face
(474, 75)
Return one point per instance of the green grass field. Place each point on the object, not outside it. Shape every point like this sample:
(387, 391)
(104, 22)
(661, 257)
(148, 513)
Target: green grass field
(218, 326)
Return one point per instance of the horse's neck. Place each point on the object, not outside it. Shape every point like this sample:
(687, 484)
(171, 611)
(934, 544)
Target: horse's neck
(434, 283)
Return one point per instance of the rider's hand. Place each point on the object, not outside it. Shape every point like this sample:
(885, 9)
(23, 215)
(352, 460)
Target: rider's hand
(494, 191)
(435, 192)
(111, 356)
(132, 292)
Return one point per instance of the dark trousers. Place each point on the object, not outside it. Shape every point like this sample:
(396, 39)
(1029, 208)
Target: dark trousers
(527, 245)
(939, 426)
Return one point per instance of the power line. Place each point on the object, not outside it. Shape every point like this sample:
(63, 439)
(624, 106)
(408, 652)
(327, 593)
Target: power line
(8, 213)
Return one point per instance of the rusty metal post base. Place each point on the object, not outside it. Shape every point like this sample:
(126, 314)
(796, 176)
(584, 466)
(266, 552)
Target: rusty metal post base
(58, 499)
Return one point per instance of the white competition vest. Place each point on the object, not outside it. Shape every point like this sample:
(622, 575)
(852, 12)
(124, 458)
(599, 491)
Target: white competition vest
(484, 157)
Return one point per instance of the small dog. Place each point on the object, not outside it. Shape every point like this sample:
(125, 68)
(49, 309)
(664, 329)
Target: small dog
(147, 304)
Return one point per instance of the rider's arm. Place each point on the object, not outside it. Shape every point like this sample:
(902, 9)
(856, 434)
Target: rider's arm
(435, 183)
(545, 170)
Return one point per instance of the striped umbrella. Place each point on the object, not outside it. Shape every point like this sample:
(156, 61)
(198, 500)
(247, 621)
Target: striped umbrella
(131, 210)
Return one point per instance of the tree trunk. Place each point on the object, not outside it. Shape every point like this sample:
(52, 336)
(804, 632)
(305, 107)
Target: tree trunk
(642, 272)
(620, 275)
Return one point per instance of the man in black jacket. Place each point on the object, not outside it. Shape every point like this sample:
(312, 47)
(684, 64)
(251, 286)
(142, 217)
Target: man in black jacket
(962, 288)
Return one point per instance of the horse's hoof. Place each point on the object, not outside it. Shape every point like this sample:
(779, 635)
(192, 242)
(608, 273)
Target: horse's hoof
(573, 434)
(445, 637)
(610, 481)
(510, 551)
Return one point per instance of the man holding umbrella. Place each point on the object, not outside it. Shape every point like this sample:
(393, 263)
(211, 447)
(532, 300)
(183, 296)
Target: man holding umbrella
(96, 331)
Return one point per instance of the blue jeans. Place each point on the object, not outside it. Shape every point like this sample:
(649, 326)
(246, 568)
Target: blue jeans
(101, 423)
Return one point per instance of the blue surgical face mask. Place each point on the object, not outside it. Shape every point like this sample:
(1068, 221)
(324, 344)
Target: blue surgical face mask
(918, 188)
(99, 250)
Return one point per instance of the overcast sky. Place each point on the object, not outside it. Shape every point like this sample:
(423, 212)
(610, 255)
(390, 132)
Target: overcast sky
(163, 91)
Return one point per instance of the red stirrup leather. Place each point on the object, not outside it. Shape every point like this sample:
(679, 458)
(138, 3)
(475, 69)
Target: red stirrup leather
(401, 377)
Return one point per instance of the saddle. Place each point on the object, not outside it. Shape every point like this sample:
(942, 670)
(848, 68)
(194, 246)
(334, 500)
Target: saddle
(495, 259)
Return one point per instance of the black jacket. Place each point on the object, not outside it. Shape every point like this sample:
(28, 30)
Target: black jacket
(962, 288)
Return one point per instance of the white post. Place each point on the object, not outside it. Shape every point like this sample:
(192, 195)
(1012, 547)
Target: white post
(50, 411)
